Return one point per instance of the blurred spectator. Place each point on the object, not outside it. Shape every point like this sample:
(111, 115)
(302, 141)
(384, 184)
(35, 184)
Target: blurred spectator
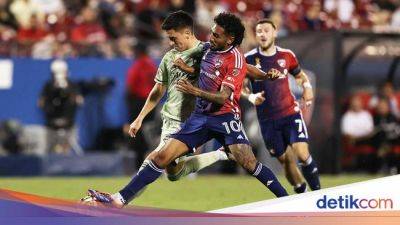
(45, 48)
(357, 122)
(49, 6)
(60, 24)
(206, 10)
(11, 141)
(387, 137)
(357, 128)
(386, 124)
(24, 10)
(312, 17)
(139, 83)
(33, 32)
(59, 100)
(396, 19)
(277, 13)
(342, 9)
(88, 30)
(110, 13)
(6, 17)
(386, 90)
(124, 47)
(380, 18)
(185, 5)
(148, 21)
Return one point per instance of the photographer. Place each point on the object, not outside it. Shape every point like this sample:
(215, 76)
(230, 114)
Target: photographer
(59, 101)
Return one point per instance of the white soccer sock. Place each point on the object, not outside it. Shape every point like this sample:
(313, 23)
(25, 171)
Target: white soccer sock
(118, 197)
(144, 164)
(198, 162)
(308, 161)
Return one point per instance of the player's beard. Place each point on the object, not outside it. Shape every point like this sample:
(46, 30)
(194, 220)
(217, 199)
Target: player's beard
(268, 46)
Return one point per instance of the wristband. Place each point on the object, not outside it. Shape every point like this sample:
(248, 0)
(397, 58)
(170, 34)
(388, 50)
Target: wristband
(252, 98)
(307, 85)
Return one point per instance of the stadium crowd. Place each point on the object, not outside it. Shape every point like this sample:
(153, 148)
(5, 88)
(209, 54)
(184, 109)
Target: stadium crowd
(109, 28)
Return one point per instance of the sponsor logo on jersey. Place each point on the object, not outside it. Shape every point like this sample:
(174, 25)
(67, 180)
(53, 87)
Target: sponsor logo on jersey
(258, 64)
(212, 76)
(218, 63)
(231, 79)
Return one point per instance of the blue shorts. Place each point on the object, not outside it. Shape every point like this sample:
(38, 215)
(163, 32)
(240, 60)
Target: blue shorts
(199, 129)
(279, 134)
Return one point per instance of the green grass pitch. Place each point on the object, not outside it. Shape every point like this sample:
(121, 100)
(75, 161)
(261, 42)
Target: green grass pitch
(203, 193)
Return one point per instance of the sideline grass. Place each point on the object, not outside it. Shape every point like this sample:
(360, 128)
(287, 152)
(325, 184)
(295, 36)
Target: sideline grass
(201, 194)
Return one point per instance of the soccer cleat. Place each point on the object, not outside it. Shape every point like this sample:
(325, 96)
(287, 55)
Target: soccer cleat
(100, 196)
(105, 199)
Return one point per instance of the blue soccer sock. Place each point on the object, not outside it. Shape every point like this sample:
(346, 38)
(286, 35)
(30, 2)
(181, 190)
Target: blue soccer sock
(310, 173)
(147, 175)
(267, 177)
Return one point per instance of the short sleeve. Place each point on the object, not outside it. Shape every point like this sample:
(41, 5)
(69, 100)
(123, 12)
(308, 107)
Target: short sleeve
(294, 66)
(162, 72)
(233, 70)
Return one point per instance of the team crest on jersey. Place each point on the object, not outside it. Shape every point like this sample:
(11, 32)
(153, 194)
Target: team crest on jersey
(218, 63)
(282, 63)
(235, 72)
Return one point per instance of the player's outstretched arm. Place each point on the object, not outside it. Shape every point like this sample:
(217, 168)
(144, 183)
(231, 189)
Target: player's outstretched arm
(152, 100)
(257, 74)
(255, 99)
(302, 79)
(217, 97)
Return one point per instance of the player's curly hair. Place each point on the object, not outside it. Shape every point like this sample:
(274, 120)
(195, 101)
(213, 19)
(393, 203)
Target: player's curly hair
(178, 20)
(232, 25)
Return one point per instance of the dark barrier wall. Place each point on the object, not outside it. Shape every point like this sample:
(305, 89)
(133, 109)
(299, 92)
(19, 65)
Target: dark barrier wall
(20, 101)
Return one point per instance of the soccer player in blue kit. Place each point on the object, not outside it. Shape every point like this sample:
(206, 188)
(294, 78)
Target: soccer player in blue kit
(279, 116)
(216, 115)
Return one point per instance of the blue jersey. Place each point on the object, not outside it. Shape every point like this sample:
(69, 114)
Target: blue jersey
(279, 101)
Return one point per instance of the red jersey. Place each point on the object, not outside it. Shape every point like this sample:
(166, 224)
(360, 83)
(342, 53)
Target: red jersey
(140, 77)
(279, 100)
(217, 69)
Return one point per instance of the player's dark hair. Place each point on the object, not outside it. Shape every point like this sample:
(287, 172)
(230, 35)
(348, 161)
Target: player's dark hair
(178, 20)
(265, 20)
(232, 25)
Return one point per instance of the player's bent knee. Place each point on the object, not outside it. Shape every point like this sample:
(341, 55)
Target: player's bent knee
(161, 159)
(301, 150)
(170, 151)
(151, 155)
(290, 157)
(283, 158)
